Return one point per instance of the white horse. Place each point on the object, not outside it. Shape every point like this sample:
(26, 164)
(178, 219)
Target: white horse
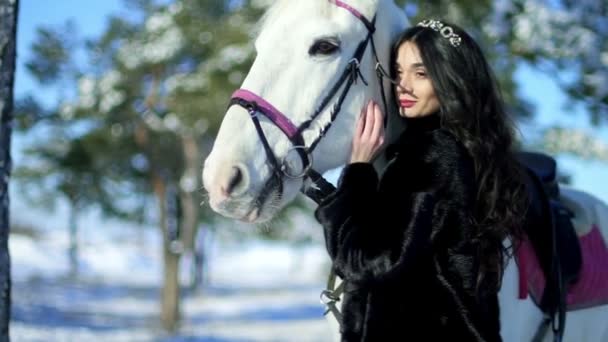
(283, 122)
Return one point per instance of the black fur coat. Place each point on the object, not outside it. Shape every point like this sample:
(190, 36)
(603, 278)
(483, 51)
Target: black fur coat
(403, 245)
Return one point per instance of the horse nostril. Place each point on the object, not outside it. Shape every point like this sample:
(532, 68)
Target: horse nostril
(235, 178)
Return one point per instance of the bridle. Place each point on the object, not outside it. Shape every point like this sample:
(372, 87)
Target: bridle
(321, 188)
(255, 105)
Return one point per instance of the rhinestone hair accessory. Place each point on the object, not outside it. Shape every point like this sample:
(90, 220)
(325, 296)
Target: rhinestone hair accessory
(446, 31)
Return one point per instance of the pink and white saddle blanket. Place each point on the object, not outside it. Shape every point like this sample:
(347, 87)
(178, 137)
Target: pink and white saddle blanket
(591, 289)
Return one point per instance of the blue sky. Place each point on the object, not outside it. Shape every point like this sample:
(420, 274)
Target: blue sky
(90, 19)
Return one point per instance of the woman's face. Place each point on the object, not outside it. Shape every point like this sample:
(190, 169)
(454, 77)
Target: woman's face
(414, 91)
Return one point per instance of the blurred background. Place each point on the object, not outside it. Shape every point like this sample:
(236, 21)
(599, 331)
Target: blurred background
(117, 105)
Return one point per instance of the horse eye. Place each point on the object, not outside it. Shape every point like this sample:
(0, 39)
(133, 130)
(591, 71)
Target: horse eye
(323, 47)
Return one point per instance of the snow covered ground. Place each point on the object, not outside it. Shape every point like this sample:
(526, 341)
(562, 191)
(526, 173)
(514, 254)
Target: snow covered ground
(255, 291)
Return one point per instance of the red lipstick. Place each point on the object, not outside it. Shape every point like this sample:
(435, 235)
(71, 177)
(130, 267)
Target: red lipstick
(407, 103)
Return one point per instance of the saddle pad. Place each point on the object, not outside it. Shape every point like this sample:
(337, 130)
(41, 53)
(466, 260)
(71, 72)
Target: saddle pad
(592, 287)
(583, 208)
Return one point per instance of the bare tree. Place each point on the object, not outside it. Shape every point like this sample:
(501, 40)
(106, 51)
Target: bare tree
(8, 25)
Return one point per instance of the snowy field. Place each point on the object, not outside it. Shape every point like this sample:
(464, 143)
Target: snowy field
(254, 291)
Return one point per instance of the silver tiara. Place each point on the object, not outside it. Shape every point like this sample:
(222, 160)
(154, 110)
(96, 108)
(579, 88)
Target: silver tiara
(446, 31)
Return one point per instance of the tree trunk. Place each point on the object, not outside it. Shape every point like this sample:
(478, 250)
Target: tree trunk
(170, 293)
(73, 233)
(188, 186)
(170, 314)
(8, 30)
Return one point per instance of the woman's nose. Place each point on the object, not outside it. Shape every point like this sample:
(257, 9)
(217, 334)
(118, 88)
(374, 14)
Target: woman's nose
(403, 85)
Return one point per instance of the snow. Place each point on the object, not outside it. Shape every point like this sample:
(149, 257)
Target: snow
(230, 56)
(189, 82)
(576, 141)
(563, 33)
(254, 290)
(161, 41)
(110, 97)
(86, 92)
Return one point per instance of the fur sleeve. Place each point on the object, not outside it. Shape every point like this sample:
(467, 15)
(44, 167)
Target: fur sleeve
(366, 240)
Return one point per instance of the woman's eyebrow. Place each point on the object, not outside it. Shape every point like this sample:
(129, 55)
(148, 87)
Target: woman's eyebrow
(412, 66)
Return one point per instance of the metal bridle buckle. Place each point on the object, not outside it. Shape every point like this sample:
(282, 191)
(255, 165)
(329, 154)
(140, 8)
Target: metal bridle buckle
(251, 108)
(285, 169)
(327, 296)
(356, 61)
(383, 74)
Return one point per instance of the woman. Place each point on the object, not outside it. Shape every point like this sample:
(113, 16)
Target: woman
(420, 249)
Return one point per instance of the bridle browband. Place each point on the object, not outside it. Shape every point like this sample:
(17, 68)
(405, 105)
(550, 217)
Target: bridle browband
(255, 105)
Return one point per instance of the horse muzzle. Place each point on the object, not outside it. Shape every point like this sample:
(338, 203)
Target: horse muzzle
(233, 194)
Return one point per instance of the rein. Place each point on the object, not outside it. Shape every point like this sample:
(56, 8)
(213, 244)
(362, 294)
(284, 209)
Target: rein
(256, 105)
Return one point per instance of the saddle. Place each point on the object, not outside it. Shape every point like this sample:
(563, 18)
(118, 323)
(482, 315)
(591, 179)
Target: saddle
(549, 229)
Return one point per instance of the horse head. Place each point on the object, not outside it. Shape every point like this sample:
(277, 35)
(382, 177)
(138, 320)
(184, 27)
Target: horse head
(294, 112)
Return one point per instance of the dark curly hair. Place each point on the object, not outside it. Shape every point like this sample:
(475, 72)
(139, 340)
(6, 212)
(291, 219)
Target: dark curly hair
(471, 109)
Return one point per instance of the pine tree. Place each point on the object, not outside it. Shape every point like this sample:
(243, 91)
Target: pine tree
(141, 116)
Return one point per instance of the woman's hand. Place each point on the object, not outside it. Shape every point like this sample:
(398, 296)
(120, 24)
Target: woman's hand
(369, 134)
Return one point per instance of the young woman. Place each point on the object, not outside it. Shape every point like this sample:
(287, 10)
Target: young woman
(420, 249)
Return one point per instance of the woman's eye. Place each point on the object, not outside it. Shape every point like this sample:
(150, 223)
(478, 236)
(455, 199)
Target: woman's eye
(323, 47)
